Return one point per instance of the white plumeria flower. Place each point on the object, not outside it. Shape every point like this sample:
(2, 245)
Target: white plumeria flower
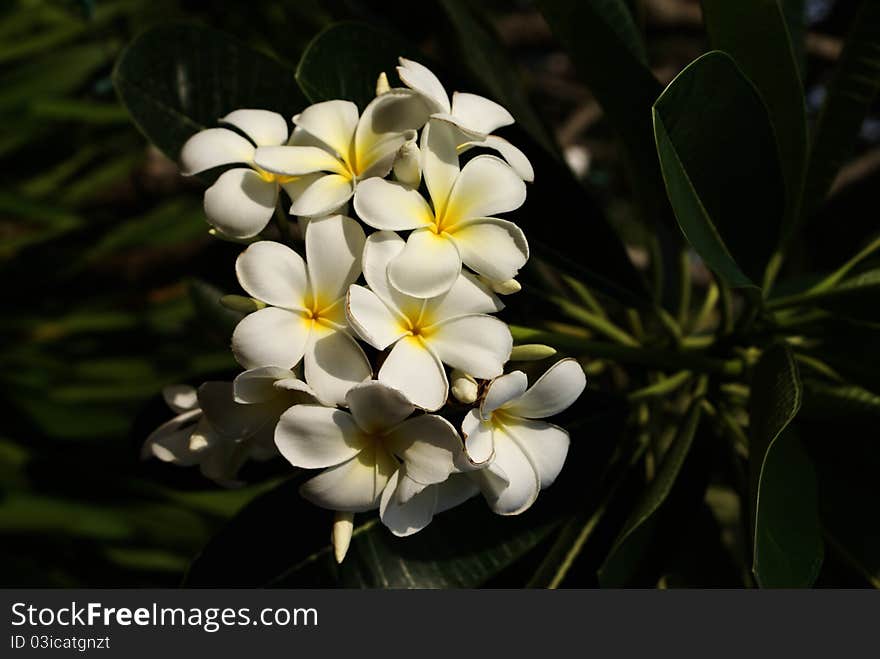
(333, 148)
(242, 200)
(476, 116)
(523, 454)
(456, 228)
(374, 447)
(216, 431)
(305, 319)
(450, 329)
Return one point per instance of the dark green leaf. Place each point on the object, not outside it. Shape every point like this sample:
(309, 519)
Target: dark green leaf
(849, 98)
(825, 400)
(755, 34)
(178, 79)
(787, 539)
(721, 167)
(345, 60)
(632, 543)
(487, 60)
(206, 300)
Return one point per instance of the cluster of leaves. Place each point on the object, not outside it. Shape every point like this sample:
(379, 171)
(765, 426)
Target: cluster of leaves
(724, 439)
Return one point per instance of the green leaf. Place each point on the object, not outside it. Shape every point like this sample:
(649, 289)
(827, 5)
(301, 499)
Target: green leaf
(755, 34)
(721, 167)
(632, 542)
(487, 60)
(857, 298)
(462, 548)
(178, 79)
(345, 59)
(787, 541)
(825, 400)
(849, 98)
(607, 50)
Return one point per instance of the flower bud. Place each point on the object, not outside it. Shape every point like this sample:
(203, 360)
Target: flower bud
(340, 536)
(507, 287)
(464, 387)
(382, 85)
(406, 165)
(241, 303)
(531, 352)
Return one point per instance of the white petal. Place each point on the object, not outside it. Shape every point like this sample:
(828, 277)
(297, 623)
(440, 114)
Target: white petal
(494, 248)
(214, 147)
(258, 384)
(387, 123)
(427, 267)
(420, 78)
(440, 168)
(180, 397)
(512, 465)
(334, 247)
(314, 436)
(391, 205)
(453, 492)
(553, 392)
(334, 363)
(486, 186)
(416, 372)
(477, 344)
(170, 441)
(502, 390)
(275, 274)
(265, 128)
(427, 446)
(227, 417)
(381, 248)
(404, 518)
(478, 445)
(479, 114)
(240, 203)
(377, 407)
(332, 122)
(297, 160)
(514, 157)
(354, 486)
(546, 446)
(374, 322)
(271, 337)
(468, 295)
(322, 196)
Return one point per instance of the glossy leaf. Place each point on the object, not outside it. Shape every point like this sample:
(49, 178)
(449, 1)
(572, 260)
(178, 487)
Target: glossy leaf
(721, 167)
(177, 79)
(787, 542)
(849, 98)
(345, 59)
(756, 35)
(632, 542)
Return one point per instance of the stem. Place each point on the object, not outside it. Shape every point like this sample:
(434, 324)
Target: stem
(594, 321)
(834, 278)
(662, 387)
(709, 303)
(667, 360)
(583, 292)
(726, 326)
(684, 291)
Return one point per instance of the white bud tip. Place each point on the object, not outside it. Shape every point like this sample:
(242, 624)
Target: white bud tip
(506, 287)
(530, 352)
(382, 85)
(340, 536)
(464, 387)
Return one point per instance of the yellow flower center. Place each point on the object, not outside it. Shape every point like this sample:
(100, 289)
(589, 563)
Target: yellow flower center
(269, 177)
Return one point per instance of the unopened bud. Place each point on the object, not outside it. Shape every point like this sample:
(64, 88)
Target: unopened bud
(507, 287)
(241, 303)
(464, 387)
(531, 352)
(382, 85)
(406, 165)
(340, 536)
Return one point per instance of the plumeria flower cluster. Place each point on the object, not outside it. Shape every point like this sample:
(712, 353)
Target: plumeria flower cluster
(354, 336)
